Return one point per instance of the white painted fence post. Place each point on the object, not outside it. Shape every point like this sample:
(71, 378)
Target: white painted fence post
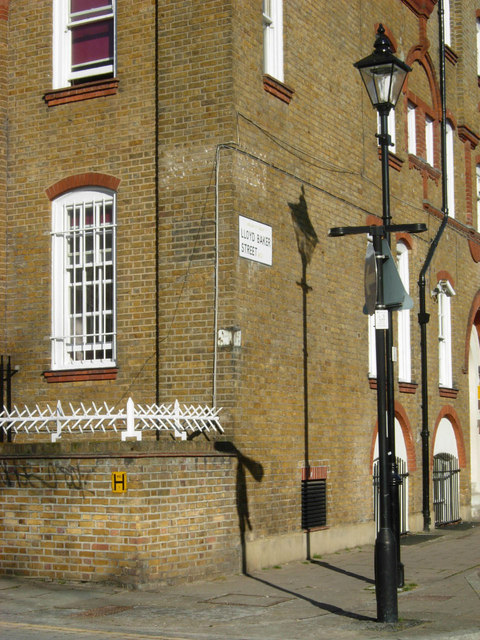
(57, 435)
(130, 432)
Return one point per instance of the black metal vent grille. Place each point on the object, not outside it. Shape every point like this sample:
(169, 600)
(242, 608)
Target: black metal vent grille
(314, 503)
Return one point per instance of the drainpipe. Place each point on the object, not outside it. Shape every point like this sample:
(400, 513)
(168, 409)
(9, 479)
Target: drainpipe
(157, 230)
(423, 316)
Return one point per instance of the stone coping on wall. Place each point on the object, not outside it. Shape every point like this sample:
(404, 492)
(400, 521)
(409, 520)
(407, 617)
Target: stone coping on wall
(112, 448)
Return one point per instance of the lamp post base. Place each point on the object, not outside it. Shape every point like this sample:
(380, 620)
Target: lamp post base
(386, 576)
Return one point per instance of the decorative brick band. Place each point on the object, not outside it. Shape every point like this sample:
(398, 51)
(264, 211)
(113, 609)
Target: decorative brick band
(81, 375)
(421, 7)
(86, 91)
(425, 169)
(80, 180)
(466, 134)
(472, 235)
(314, 473)
(277, 89)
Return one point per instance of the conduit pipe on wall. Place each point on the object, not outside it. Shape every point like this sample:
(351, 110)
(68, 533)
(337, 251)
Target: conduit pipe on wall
(423, 316)
(215, 285)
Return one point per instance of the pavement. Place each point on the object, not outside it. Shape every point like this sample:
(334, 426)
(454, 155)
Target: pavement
(332, 597)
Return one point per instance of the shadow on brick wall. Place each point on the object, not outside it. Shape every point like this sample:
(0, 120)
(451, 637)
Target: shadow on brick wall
(256, 471)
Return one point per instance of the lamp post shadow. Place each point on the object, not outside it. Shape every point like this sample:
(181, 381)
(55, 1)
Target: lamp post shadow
(307, 240)
(255, 469)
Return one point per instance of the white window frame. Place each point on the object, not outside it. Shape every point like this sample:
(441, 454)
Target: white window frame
(444, 292)
(429, 140)
(403, 318)
(447, 23)
(450, 168)
(63, 74)
(272, 12)
(478, 46)
(412, 128)
(83, 280)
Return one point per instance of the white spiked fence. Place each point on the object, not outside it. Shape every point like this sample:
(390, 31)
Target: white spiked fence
(130, 422)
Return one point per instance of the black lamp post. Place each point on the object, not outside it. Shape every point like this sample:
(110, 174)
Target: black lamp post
(383, 75)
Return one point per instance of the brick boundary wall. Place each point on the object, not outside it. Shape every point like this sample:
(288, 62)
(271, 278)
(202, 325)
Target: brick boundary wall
(61, 519)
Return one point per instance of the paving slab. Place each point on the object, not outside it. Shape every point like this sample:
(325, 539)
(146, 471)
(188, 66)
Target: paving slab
(329, 597)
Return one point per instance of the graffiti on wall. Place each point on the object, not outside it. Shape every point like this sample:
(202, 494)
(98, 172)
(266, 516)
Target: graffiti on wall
(50, 475)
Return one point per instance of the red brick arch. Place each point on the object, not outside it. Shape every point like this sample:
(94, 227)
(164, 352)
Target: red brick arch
(407, 432)
(473, 321)
(4, 9)
(80, 180)
(445, 275)
(449, 412)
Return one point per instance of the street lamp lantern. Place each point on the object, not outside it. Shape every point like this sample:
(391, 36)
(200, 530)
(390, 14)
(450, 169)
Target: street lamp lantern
(383, 74)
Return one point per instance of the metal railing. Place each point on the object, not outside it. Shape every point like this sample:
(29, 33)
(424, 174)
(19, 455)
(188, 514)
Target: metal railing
(402, 494)
(446, 488)
(130, 421)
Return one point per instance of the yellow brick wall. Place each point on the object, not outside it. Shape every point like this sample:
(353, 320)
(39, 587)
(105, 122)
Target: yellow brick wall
(62, 520)
(225, 148)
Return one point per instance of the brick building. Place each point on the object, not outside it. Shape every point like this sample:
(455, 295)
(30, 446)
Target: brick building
(169, 173)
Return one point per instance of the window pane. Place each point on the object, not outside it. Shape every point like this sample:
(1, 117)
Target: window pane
(92, 42)
(429, 140)
(103, 6)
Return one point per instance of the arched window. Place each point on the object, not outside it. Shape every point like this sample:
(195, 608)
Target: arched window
(83, 279)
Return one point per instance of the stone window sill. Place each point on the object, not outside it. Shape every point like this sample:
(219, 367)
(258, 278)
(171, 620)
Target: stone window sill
(85, 91)
(446, 392)
(407, 387)
(277, 89)
(394, 161)
(414, 162)
(81, 375)
(403, 387)
(450, 55)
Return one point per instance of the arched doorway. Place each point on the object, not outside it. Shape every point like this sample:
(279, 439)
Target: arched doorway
(402, 467)
(446, 475)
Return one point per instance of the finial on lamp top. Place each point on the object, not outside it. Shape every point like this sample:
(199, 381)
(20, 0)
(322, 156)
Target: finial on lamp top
(382, 42)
